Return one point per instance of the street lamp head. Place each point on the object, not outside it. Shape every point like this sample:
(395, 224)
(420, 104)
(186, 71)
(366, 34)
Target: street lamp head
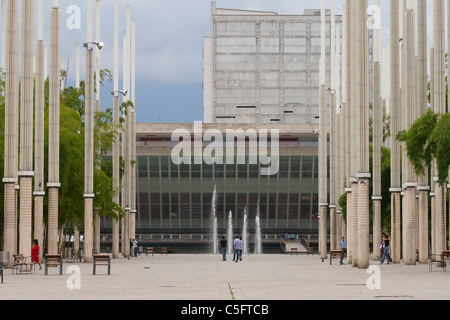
(88, 46)
(332, 91)
(100, 45)
(123, 92)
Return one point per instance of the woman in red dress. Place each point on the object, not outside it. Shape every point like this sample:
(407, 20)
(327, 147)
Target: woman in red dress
(35, 254)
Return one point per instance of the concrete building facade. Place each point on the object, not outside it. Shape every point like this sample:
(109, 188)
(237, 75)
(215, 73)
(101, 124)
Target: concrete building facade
(263, 67)
(174, 200)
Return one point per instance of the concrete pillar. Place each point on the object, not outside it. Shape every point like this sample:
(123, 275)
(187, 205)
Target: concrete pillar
(333, 229)
(89, 143)
(77, 66)
(39, 191)
(409, 219)
(96, 231)
(116, 179)
(333, 137)
(395, 126)
(354, 225)
(376, 158)
(98, 108)
(53, 184)
(355, 96)
(347, 92)
(422, 106)
(116, 147)
(4, 8)
(333, 173)
(133, 131)
(323, 192)
(349, 225)
(89, 150)
(26, 129)
(133, 177)
(88, 229)
(363, 173)
(439, 107)
(377, 140)
(11, 135)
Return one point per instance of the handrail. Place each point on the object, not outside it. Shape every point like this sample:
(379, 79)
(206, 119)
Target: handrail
(283, 245)
(304, 242)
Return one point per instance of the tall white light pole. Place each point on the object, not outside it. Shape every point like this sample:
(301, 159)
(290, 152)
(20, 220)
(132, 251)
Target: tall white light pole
(349, 162)
(422, 105)
(363, 171)
(439, 107)
(323, 132)
(333, 136)
(89, 139)
(116, 146)
(53, 184)
(126, 140)
(11, 143)
(354, 126)
(395, 101)
(133, 132)
(98, 108)
(4, 4)
(409, 256)
(39, 191)
(26, 170)
(377, 138)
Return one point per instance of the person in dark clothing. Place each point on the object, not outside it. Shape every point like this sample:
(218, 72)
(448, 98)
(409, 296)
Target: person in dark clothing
(386, 255)
(343, 248)
(223, 245)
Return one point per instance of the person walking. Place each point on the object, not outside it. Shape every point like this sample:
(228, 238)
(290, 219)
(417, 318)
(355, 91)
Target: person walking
(383, 235)
(343, 249)
(386, 255)
(237, 249)
(35, 254)
(135, 247)
(223, 245)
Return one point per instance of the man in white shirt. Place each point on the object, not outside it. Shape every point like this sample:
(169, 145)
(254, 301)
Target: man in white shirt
(238, 248)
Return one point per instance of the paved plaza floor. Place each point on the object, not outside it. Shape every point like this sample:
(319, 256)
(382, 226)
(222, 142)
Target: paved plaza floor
(206, 277)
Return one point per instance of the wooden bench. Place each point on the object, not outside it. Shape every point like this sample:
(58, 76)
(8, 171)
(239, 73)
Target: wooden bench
(53, 260)
(20, 263)
(293, 250)
(164, 250)
(310, 250)
(439, 260)
(149, 250)
(101, 260)
(334, 254)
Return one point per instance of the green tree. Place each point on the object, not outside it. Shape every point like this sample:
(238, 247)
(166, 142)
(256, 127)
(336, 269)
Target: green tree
(428, 138)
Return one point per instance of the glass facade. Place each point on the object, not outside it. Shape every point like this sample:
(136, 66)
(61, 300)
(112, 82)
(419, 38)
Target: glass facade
(176, 199)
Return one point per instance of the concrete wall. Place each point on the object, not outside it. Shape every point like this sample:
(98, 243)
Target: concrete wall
(265, 67)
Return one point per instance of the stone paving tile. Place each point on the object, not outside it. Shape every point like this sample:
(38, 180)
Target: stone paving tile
(206, 277)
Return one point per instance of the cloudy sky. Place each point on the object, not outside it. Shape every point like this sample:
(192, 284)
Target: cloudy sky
(169, 44)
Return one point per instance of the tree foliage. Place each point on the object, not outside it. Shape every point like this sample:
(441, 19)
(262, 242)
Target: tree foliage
(72, 134)
(428, 138)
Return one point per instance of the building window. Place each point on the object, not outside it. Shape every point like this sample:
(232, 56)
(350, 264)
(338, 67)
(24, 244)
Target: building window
(246, 107)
